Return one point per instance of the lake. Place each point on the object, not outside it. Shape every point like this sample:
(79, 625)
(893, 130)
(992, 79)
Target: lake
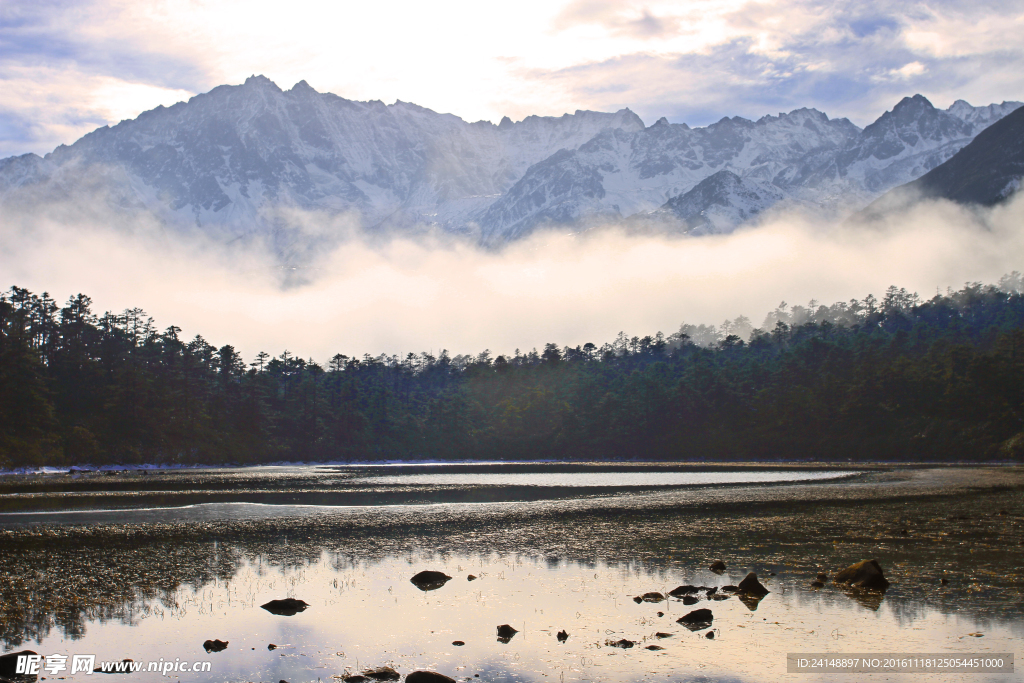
(552, 547)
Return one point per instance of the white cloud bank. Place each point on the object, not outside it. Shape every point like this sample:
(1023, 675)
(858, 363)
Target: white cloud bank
(411, 295)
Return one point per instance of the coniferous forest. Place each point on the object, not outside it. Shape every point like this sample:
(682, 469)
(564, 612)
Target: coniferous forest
(896, 379)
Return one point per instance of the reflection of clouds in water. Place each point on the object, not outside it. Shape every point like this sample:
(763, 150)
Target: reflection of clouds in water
(365, 609)
(530, 559)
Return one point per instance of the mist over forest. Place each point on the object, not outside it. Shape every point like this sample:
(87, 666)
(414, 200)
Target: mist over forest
(896, 378)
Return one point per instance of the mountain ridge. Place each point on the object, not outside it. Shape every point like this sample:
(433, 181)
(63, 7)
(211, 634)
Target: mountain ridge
(225, 161)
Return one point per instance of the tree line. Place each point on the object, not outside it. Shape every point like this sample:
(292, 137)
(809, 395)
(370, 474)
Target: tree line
(892, 379)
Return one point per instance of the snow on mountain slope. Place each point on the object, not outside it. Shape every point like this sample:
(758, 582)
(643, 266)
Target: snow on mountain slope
(802, 156)
(722, 201)
(233, 161)
(224, 157)
(630, 173)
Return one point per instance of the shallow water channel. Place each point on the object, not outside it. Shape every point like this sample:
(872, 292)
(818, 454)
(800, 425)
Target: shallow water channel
(155, 584)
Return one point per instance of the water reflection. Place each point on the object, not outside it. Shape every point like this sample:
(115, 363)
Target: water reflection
(162, 590)
(603, 479)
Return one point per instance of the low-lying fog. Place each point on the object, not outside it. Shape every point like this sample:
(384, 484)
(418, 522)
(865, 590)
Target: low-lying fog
(422, 293)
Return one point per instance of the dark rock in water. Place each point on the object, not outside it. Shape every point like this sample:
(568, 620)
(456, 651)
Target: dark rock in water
(638, 599)
(730, 589)
(817, 584)
(661, 614)
(944, 581)
(624, 644)
(562, 636)
(690, 600)
(719, 596)
(282, 681)
(864, 574)
(697, 619)
(655, 647)
(751, 586)
(458, 643)
(505, 633)
(9, 664)
(661, 634)
(653, 597)
(470, 578)
(823, 577)
(717, 566)
(750, 601)
(430, 580)
(683, 590)
(355, 678)
(215, 645)
(428, 677)
(271, 647)
(711, 591)
(286, 608)
(382, 673)
(710, 635)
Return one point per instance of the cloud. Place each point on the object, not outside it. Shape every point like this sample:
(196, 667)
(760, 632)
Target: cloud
(847, 59)
(420, 294)
(621, 19)
(68, 67)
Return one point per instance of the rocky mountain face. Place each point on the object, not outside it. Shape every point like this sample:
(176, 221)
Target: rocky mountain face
(228, 161)
(985, 172)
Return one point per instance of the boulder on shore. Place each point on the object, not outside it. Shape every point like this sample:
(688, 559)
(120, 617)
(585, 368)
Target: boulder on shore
(9, 663)
(285, 608)
(623, 643)
(697, 619)
(751, 586)
(864, 574)
(382, 673)
(717, 566)
(428, 677)
(429, 580)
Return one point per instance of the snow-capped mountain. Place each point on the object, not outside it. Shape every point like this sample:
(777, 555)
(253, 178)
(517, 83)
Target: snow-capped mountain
(223, 158)
(803, 157)
(227, 160)
(721, 199)
(985, 172)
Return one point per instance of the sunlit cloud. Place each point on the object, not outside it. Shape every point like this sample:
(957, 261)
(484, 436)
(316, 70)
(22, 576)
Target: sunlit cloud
(67, 67)
(421, 294)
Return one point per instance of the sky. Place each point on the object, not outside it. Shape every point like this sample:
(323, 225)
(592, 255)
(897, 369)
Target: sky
(70, 66)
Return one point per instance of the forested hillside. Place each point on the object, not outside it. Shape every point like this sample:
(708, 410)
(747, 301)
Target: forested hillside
(892, 379)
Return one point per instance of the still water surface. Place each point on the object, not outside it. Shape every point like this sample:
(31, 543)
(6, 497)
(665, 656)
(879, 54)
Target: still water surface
(603, 479)
(151, 589)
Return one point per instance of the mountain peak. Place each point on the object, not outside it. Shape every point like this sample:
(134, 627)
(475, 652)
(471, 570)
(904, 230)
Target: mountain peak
(916, 102)
(262, 81)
